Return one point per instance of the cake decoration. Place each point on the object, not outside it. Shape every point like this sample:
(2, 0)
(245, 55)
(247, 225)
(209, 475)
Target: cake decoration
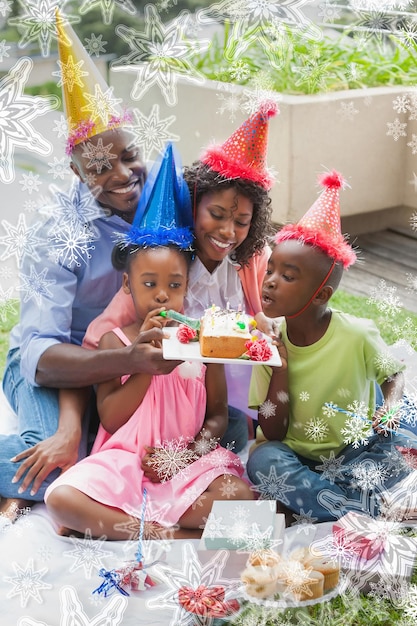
(223, 334)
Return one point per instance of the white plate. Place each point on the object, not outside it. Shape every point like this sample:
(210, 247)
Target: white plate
(173, 350)
(287, 603)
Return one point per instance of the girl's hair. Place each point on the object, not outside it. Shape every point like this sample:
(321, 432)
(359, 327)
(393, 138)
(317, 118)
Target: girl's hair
(201, 180)
(122, 254)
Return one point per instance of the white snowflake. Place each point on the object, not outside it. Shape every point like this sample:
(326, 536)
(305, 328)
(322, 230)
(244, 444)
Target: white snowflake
(347, 110)
(3, 50)
(70, 247)
(411, 282)
(30, 182)
(5, 7)
(167, 53)
(171, 458)
(413, 143)
(70, 74)
(408, 34)
(95, 45)
(87, 553)
(27, 583)
(336, 547)
(304, 396)
(228, 489)
(329, 11)
(220, 459)
(239, 71)
(21, 240)
(304, 522)
(273, 487)
(331, 467)
(61, 127)
(59, 168)
(383, 296)
(314, 73)
(99, 155)
(20, 111)
(283, 397)
(101, 105)
(192, 574)
(72, 611)
(368, 475)
(107, 8)
(329, 409)
(356, 431)
(385, 361)
(206, 443)
(396, 129)
(151, 132)
(267, 409)
(316, 429)
(38, 22)
(45, 552)
(35, 285)
(229, 103)
(410, 604)
(354, 72)
(406, 333)
(74, 209)
(213, 526)
(401, 104)
(256, 541)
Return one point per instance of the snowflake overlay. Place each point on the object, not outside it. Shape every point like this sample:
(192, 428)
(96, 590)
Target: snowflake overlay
(151, 132)
(27, 583)
(166, 51)
(107, 8)
(87, 554)
(20, 111)
(273, 487)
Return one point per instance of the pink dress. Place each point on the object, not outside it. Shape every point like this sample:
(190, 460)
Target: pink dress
(170, 415)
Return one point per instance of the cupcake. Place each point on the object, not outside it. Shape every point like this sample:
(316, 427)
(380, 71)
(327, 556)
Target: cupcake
(259, 581)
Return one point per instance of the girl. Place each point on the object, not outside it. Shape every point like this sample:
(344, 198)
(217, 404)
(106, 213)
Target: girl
(157, 432)
(231, 209)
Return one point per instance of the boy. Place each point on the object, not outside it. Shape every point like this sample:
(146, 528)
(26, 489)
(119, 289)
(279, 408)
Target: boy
(321, 434)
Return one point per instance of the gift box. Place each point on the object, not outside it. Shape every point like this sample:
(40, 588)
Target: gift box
(373, 552)
(359, 534)
(241, 527)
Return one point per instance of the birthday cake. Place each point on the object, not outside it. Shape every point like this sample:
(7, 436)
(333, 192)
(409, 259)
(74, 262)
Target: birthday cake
(224, 333)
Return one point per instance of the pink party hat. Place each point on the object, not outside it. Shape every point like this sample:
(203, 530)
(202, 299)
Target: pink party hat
(320, 226)
(243, 155)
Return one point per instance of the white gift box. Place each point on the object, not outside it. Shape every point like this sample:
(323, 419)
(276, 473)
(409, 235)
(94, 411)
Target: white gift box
(241, 527)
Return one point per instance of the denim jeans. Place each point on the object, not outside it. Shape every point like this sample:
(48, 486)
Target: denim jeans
(237, 432)
(326, 490)
(37, 411)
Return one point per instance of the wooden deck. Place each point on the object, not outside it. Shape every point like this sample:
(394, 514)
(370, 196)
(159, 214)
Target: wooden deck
(389, 255)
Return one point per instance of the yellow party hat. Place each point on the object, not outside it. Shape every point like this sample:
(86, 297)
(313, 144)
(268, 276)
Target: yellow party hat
(89, 104)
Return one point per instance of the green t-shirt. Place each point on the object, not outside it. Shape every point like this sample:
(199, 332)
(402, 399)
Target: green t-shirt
(340, 371)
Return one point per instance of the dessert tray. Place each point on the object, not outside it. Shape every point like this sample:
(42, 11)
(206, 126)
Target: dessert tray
(284, 602)
(174, 350)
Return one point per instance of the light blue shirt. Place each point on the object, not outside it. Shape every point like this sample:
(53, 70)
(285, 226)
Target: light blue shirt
(70, 278)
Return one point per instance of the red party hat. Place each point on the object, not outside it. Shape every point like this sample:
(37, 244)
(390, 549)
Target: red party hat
(243, 155)
(320, 226)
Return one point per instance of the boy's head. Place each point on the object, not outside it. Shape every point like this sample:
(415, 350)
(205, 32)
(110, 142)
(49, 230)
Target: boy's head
(309, 257)
(299, 276)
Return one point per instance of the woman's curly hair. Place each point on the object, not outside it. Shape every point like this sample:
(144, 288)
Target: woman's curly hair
(201, 180)
(122, 254)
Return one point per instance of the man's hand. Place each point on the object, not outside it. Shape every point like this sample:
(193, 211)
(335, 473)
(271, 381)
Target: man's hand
(145, 354)
(60, 450)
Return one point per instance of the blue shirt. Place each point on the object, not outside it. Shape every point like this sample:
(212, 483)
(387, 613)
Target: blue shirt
(69, 279)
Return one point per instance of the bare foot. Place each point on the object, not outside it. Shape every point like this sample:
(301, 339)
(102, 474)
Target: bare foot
(9, 507)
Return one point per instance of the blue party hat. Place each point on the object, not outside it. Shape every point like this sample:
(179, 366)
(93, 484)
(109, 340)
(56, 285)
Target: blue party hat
(163, 216)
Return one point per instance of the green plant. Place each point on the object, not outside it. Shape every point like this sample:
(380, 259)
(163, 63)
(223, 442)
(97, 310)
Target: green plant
(289, 61)
(9, 315)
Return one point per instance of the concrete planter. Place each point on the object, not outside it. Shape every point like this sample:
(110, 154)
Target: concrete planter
(343, 130)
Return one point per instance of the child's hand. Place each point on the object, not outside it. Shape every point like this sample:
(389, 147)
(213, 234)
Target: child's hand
(385, 420)
(154, 320)
(267, 325)
(282, 350)
(149, 468)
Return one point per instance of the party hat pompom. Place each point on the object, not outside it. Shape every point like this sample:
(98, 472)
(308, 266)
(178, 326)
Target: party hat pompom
(332, 180)
(163, 216)
(243, 155)
(320, 226)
